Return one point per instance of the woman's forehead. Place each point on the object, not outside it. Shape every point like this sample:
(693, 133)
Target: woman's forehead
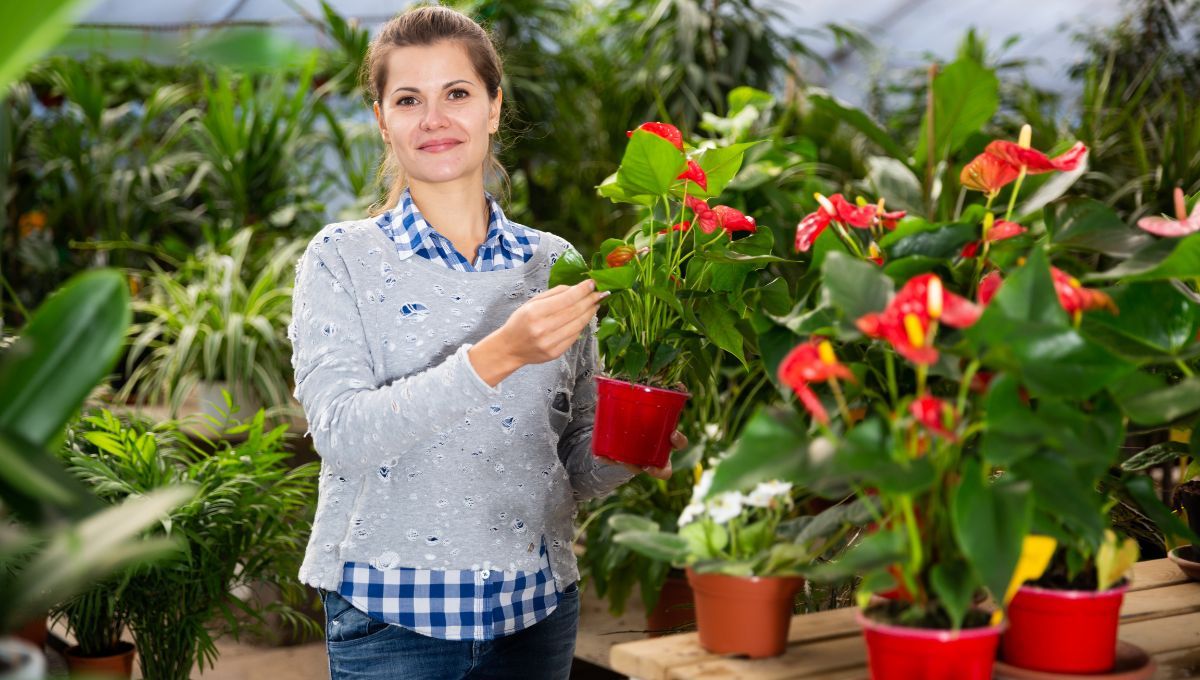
(429, 67)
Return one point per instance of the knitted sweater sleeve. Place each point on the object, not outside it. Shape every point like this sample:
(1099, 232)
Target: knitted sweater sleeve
(355, 421)
(591, 476)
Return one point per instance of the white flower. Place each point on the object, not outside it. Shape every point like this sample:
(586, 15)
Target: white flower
(690, 513)
(820, 450)
(712, 431)
(701, 489)
(763, 494)
(725, 506)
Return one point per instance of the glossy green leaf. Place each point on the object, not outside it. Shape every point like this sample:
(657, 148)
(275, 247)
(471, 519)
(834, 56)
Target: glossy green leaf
(1154, 320)
(990, 524)
(615, 278)
(1167, 258)
(1165, 405)
(720, 326)
(29, 29)
(944, 242)
(720, 165)
(1141, 488)
(853, 286)
(845, 113)
(874, 551)
(1088, 224)
(772, 446)
(1166, 452)
(954, 588)
(650, 165)
(965, 97)
(655, 544)
(569, 269)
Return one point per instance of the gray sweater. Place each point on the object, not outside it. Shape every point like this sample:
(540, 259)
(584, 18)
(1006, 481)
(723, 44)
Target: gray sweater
(423, 464)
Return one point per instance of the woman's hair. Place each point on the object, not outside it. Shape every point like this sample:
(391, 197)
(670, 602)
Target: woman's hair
(421, 26)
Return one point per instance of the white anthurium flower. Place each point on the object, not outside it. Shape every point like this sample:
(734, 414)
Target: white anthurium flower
(690, 513)
(821, 450)
(765, 492)
(726, 506)
(701, 489)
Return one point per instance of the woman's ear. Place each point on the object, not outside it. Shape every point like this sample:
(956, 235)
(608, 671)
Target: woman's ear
(379, 120)
(494, 110)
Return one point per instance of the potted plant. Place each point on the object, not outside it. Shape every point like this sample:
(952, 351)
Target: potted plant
(677, 286)
(743, 554)
(248, 515)
(96, 619)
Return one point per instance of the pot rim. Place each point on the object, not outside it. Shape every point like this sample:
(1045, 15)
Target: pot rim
(933, 634)
(1068, 594)
(752, 579)
(125, 646)
(643, 388)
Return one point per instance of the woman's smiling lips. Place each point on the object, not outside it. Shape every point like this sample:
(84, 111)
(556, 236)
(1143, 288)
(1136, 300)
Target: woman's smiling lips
(439, 145)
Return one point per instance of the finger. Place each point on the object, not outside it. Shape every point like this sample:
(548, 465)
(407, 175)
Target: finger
(561, 288)
(564, 308)
(679, 440)
(573, 319)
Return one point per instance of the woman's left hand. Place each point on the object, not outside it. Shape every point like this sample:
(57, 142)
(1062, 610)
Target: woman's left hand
(678, 441)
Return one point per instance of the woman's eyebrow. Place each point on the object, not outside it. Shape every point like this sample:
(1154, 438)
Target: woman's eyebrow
(448, 85)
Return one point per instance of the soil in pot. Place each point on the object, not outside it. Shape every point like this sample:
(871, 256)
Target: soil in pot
(118, 664)
(634, 422)
(1063, 631)
(747, 615)
(676, 607)
(897, 652)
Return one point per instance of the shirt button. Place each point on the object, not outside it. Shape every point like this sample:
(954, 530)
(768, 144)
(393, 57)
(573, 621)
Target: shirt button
(485, 573)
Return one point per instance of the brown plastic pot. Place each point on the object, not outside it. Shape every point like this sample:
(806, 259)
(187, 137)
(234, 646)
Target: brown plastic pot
(744, 614)
(116, 665)
(676, 606)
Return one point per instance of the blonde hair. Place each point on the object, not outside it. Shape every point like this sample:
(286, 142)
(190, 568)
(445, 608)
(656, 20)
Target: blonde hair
(421, 26)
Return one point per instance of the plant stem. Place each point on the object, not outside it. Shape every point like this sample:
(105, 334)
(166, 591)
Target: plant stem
(841, 401)
(1184, 367)
(890, 363)
(1012, 201)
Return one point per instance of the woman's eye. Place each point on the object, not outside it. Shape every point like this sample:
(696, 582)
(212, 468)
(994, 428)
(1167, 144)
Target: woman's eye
(406, 101)
(459, 94)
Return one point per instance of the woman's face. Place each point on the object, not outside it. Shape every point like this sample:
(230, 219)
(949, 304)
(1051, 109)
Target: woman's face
(435, 112)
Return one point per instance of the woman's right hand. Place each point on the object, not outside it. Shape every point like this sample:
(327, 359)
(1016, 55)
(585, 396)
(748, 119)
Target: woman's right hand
(538, 331)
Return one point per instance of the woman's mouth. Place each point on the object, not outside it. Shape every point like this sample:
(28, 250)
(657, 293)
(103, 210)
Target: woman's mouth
(439, 145)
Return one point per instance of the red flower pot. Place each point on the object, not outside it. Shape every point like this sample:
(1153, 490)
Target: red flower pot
(1063, 631)
(744, 614)
(634, 422)
(675, 608)
(902, 653)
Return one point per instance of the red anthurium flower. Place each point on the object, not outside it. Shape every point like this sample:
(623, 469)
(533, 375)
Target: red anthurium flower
(935, 415)
(682, 226)
(694, 173)
(906, 320)
(1076, 299)
(812, 361)
(620, 256)
(874, 254)
(1182, 226)
(987, 173)
(890, 219)
(999, 231)
(732, 219)
(706, 219)
(665, 130)
(1035, 162)
(836, 207)
(988, 286)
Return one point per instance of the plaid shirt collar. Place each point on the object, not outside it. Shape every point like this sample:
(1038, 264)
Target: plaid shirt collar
(506, 242)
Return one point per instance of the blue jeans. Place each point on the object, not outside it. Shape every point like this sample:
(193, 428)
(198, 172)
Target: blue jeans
(363, 648)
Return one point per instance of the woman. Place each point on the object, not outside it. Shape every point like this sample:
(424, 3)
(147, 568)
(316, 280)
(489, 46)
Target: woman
(448, 392)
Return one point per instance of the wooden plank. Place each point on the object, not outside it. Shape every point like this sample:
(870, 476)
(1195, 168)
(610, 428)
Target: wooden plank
(1179, 664)
(654, 659)
(1161, 602)
(839, 657)
(1156, 574)
(1169, 634)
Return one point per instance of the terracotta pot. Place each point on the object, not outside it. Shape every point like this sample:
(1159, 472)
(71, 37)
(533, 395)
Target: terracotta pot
(902, 653)
(634, 422)
(119, 664)
(744, 614)
(1063, 631)
(34, 632)
(675, 609)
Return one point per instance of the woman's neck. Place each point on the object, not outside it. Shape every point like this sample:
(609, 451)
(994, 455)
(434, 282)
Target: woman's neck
(457, 210)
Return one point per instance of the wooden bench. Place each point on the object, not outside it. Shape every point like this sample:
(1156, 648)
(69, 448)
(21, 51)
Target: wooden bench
(1161, 614)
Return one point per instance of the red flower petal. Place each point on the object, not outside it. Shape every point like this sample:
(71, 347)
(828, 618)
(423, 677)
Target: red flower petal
(1165, 226)
(665, 130)
(987, 173)
(1034, 161)
(620, 256)
(861, 217)
(988, 286)
(732, 219)
(812, 403)
(970, 250)
(694, 173)
(810, 228)
(933, 414)
(1003, 229)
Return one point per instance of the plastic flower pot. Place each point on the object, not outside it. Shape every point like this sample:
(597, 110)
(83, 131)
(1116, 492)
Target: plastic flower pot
(634, 422)
(903, 653)
(675, 608)
(117, 665)
(1063, 631)
(744, 614)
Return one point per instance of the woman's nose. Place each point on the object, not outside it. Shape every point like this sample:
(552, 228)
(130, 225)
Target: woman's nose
(434, 117)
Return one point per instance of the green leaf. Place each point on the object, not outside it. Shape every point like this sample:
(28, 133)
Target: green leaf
(720, 326)
(854, 287)
(1165, 405)
(1166, 452)
(623, 521)
(569, 269)
(1088, 224)
(954, 588)
(616, 193)
(28, 30)
(770, 447)
(655, 544)
(1141, 488)
(1065, 494)
(965, 97)
(68, 346)
(615, 278)
(845, 113)
(701, 535)
(774, 297)
(857, 513)
(1155, 321)
(720, 166)
(895, 181)
(1163, 259)
(990, 524)
(943, 242)
(875, 551)
(650, 165)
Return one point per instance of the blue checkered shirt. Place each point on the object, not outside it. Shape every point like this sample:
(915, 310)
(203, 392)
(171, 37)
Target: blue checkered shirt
(451, 604)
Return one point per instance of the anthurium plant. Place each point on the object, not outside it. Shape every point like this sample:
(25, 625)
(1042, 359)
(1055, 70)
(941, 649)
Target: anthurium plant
(974, 382)
(682, 277)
